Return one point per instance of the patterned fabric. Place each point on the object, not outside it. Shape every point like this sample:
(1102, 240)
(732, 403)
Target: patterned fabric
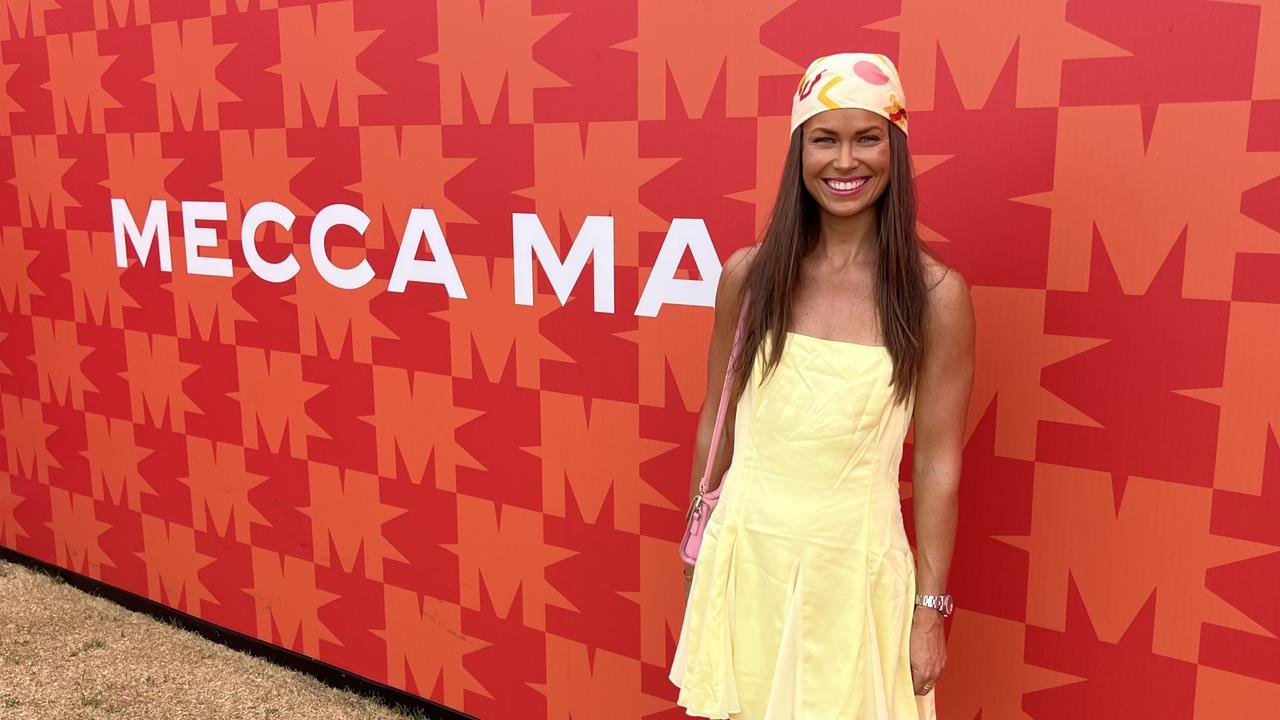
(850, 80)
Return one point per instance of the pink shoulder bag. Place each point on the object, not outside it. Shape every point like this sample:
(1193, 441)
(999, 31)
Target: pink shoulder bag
(705, 501)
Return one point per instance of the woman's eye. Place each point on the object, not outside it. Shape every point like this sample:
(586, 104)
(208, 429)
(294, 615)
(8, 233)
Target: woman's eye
(823, 140)
(868, 139)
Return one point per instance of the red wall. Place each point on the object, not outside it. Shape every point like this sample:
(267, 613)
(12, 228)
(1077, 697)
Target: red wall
(477, 499)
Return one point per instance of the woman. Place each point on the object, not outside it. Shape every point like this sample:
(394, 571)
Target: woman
(805, 603)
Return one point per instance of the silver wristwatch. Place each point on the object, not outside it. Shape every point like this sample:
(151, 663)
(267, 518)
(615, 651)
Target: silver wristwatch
(941, 603)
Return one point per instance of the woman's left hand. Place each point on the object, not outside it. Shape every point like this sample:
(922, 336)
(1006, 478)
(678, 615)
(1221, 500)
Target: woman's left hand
(928, 649)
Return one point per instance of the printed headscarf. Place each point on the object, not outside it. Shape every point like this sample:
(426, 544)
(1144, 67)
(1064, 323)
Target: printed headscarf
(863, 81)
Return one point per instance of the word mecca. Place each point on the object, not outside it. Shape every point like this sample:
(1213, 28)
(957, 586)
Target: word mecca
(594, 241)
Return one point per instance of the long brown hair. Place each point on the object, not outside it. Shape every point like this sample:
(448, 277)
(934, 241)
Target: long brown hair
(792, 232)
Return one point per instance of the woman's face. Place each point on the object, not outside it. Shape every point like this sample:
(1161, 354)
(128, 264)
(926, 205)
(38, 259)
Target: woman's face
(845, 161)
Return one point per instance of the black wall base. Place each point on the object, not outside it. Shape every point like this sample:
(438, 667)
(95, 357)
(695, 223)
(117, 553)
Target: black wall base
(326, 673)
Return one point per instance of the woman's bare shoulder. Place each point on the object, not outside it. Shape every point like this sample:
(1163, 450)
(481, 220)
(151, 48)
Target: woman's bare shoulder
(734, 273)
(949, 298)
(941, 279)
(740, 261)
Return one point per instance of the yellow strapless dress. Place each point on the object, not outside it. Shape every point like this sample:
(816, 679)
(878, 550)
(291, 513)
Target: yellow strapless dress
(802, 598)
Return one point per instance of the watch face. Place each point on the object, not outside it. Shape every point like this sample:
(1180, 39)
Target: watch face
(947, 605)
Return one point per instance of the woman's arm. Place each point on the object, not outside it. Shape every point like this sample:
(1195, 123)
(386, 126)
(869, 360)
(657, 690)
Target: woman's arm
(728, 306)
(941, 408)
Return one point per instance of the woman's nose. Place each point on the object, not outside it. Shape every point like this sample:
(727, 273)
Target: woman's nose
(848, 158)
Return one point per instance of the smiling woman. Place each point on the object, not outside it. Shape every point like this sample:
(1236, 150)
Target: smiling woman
(846, 160)
(805, 602)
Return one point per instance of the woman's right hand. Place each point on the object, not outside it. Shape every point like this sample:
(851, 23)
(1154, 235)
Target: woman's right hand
(688, 580)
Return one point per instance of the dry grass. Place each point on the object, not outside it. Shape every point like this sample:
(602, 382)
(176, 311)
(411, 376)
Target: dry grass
(69, 654)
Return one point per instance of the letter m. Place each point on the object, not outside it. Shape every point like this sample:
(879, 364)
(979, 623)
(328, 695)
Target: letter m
(594, 240)
(154, 227)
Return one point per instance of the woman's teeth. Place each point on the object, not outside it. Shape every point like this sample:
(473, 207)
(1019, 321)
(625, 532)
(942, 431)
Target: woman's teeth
(846, 185)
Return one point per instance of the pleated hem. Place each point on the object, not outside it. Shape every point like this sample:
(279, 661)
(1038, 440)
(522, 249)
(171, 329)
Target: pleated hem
(698, 713)
(705, 652)
(785, 696)
(709, 631)
(873, 672)
(785, 693)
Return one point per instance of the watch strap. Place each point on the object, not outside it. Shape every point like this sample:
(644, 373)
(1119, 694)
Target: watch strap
(942, 603)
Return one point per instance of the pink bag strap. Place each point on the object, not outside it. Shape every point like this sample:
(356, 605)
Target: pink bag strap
(704, 485)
